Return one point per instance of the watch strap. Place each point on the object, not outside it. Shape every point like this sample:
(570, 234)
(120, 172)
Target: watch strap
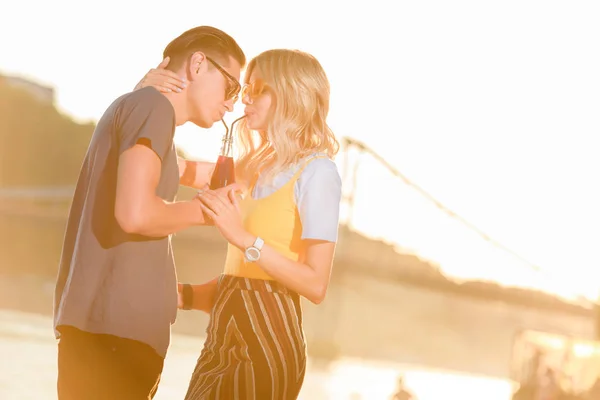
(258, 243)
(187, 294)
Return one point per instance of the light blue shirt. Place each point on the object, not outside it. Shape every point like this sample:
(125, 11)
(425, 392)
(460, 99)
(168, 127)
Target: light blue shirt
(317, 192)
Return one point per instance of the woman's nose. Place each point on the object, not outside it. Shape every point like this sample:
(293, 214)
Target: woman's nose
(247, 100)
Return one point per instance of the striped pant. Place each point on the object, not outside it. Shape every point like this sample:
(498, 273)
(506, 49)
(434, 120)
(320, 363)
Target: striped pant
(255, 348)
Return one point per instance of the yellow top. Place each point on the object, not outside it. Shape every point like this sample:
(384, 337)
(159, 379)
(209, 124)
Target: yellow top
(274, 219)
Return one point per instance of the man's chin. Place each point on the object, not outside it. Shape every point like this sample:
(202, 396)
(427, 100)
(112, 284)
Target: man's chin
(203, 124)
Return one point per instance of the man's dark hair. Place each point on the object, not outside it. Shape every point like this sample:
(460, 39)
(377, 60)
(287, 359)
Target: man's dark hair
(211, 41)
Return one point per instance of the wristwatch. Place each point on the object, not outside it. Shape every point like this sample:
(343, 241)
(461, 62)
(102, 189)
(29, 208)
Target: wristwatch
(252, 253)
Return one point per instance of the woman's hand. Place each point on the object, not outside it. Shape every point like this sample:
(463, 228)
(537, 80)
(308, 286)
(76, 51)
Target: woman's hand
(162, 79)
(224, 210)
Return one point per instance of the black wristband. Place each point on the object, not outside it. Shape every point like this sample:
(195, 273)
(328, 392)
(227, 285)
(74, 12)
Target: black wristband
(188, 296)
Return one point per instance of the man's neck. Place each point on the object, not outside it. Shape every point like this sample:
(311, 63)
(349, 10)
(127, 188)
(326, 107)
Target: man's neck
(178, 101)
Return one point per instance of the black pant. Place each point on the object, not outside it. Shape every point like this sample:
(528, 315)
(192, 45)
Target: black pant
(105, 367)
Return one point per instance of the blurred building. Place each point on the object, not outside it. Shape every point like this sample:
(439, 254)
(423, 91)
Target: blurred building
(40, 92)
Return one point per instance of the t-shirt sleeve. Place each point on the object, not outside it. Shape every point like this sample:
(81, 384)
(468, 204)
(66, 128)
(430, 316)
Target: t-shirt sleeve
(146, 118)
(318, 196)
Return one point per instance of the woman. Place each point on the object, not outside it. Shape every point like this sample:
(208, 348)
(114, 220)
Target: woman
(281, 235)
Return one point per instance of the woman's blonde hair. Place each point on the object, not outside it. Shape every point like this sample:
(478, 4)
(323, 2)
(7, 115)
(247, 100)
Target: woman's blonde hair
(297, 127)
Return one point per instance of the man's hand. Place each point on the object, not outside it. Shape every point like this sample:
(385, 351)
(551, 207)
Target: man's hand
(236, 188)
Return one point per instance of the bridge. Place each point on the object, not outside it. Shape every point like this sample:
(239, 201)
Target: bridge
(383, 304)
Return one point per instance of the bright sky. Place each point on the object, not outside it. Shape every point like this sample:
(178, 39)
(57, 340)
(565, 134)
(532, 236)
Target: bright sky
(492, 107)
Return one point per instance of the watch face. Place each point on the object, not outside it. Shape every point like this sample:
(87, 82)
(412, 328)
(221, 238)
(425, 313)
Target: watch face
(252, 253)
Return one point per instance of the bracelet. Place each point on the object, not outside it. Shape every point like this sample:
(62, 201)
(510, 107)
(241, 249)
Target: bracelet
(188, 296)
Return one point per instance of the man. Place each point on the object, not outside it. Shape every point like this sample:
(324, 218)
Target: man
(116, 293)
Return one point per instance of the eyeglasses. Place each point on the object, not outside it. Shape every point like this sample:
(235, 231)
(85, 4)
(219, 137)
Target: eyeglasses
(232, 90)
(253, 90)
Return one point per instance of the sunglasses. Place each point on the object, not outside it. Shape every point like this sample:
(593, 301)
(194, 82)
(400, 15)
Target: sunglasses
(232, 90)
(253, 90)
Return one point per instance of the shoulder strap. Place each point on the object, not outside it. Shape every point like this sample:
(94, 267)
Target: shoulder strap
(304, 165)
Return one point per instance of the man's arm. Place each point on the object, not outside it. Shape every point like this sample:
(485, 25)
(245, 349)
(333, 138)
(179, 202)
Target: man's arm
(203, 296)
(195, 174)
(145, 125)
(137, 207)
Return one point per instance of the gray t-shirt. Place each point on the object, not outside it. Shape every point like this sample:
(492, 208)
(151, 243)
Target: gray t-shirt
(109, 281)
(317, 193)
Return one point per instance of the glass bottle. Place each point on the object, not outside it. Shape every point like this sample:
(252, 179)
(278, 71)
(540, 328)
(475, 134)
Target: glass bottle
(224, 173)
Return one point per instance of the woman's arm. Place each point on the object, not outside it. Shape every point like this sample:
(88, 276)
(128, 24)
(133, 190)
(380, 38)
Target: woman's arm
(162, 79)
(195, 174)
(317, 195)
(309, 276)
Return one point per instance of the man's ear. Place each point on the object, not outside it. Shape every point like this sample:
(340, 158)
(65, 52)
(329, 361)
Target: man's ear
(197, 64)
